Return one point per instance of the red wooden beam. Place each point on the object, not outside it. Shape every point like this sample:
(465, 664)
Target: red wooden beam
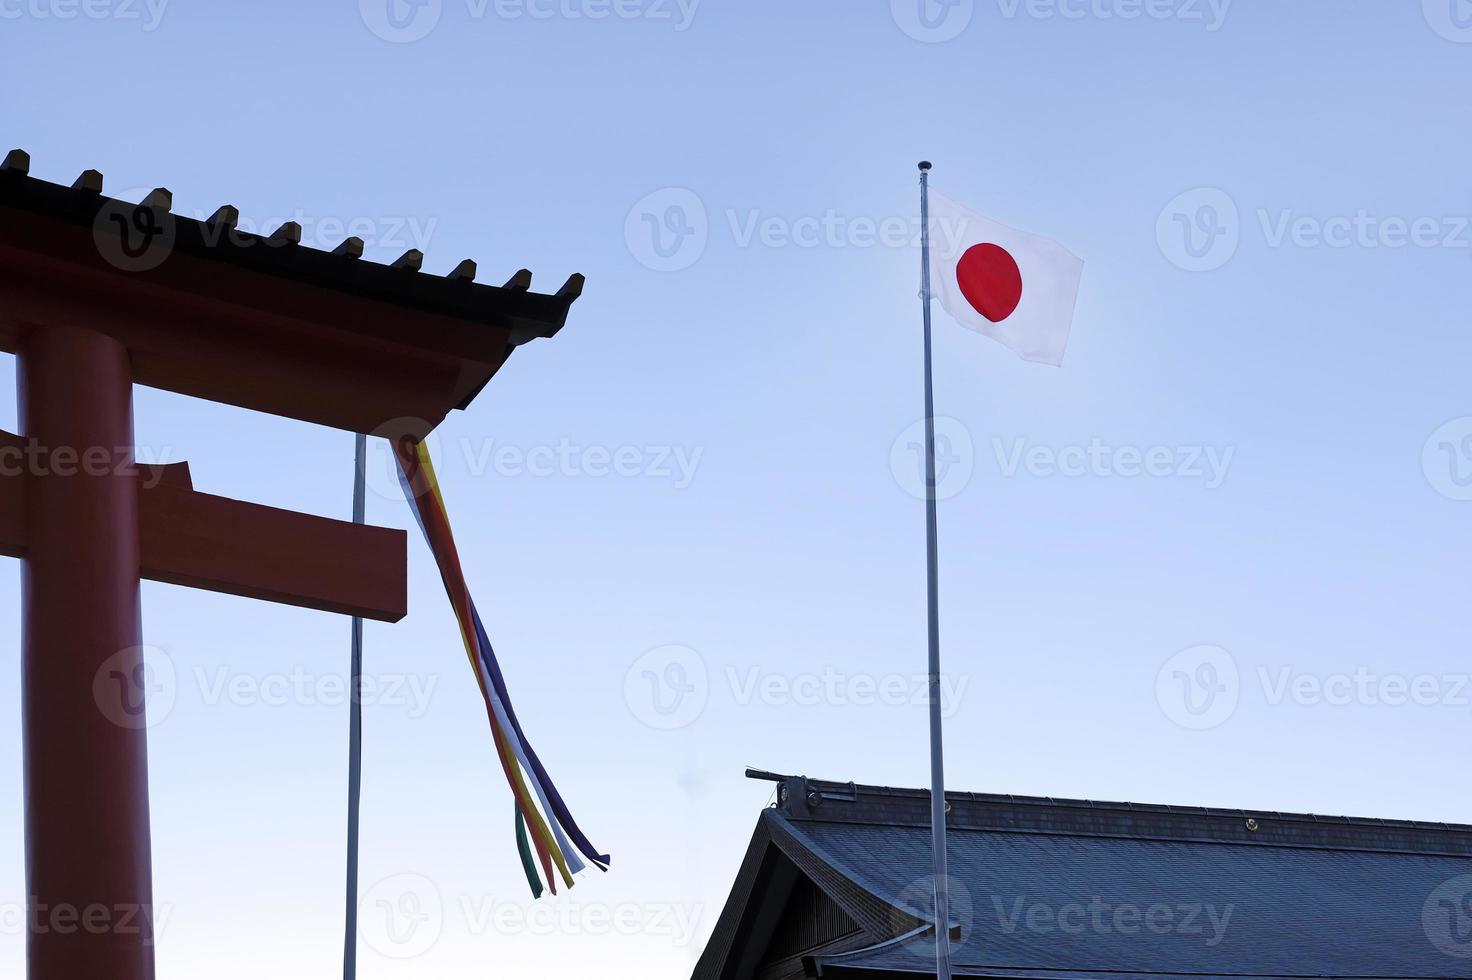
(222, 545)
(230, 335)
(12, 516)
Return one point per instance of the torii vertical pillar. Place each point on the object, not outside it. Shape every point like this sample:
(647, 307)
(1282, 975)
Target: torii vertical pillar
(88, 872)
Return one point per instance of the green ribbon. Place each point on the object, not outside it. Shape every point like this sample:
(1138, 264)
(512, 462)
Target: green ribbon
(528, 862)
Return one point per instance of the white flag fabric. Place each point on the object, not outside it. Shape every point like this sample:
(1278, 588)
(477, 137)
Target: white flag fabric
(1016, 288)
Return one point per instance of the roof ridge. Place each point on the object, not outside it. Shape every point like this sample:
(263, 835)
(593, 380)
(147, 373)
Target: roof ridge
(857, 790)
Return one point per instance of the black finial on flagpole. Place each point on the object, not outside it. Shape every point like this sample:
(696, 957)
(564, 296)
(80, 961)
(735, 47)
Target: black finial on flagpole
(925, 166)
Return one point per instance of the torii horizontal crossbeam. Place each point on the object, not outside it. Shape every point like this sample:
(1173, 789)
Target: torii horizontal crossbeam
(223, 545)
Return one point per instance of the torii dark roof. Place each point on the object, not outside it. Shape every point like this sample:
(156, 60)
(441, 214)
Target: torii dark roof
(367, 342)
(1080, 890)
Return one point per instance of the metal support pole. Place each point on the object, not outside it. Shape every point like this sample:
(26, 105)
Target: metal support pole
(355, 733)
(937, 754)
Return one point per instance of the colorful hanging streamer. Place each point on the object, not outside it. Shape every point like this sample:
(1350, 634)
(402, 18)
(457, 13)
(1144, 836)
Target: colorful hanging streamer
(519, 762)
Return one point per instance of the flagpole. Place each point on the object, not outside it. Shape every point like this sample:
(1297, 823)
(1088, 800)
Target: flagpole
(355, 732)
(937, 759)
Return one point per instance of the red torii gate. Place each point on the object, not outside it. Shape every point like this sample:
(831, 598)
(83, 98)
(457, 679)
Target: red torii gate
(97, 295)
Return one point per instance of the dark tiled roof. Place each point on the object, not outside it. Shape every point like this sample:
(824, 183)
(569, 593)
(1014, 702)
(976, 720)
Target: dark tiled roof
(1078, 890)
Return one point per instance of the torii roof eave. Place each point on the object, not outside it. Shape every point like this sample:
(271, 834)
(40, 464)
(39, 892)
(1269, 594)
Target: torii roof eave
(259, 321)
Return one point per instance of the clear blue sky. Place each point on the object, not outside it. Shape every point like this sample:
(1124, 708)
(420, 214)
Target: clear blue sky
(1315, 360)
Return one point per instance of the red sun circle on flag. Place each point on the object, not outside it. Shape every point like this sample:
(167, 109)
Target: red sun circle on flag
(990, 281)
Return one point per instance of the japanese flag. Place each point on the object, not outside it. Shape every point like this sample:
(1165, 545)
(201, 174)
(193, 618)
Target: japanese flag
(1015, 288)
